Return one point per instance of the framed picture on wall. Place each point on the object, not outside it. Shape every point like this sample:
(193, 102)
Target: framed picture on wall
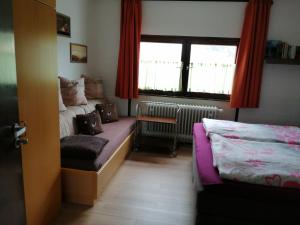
(78, 53)
(63, 23)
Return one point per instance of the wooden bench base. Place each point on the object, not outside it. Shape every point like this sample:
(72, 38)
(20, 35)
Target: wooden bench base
(85, 187)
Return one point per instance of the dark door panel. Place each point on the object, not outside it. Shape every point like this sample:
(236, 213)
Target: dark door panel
(12, 211)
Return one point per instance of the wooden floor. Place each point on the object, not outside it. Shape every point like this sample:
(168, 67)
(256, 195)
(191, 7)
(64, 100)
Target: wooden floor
(149, 189)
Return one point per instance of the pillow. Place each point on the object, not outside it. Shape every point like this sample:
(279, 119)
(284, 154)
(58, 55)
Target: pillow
(108, 112)
(61, 104)
(93, 87)
(82, 146)
(72, 92)
(89, 123)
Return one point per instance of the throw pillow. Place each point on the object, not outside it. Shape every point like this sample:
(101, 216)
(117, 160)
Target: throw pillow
(89, 123)
(73, 92)
(93, 87)
(61, 104)
(108, 112)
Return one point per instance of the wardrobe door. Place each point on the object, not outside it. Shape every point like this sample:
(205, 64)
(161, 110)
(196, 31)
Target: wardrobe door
(36, 60)
(51, 3)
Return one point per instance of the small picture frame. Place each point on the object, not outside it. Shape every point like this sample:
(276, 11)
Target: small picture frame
(78, 53)
(63, 23)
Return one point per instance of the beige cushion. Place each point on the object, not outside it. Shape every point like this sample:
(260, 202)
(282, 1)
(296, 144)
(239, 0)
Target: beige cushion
(62, 106)
(72, 92)
(93, 87)
(67, 123)
(67, 119)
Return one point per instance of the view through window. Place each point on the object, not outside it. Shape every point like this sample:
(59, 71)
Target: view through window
(187, 67)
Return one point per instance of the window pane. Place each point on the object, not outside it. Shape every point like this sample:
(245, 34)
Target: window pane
(160, 66)
(211, 68)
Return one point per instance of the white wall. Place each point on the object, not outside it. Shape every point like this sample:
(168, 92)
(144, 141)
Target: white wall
(105, 40)
(207, 19)
(280, 94)
(78, 10)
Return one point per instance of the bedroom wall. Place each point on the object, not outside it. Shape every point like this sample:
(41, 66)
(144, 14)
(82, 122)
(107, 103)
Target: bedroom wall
(78, 10)
(280, 92)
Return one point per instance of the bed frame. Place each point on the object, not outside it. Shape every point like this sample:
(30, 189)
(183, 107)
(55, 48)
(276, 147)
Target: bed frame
(85, 187)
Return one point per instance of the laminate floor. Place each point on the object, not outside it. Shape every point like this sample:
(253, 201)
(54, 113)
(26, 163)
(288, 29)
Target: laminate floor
(148, 189)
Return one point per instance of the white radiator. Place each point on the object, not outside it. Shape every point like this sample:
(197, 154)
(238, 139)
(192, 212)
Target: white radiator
(189, 114)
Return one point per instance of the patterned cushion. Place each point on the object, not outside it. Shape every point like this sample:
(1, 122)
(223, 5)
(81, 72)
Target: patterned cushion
(108, 112)
(93, 87)
(73, 92)
(89, 123)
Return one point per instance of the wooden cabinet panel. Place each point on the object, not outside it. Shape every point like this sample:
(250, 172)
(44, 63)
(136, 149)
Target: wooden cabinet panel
(51, 3)
(36, 59)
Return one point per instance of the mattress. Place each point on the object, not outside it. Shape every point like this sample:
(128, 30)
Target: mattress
(225, 199)
(116, 133)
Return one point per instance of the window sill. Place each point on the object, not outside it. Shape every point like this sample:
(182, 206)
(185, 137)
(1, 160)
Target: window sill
(188, 95)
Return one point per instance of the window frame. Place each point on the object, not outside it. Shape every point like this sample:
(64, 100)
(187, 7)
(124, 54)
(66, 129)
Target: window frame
(186, 42)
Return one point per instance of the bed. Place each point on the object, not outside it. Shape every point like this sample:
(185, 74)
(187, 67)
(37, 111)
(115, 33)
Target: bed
(224, 201)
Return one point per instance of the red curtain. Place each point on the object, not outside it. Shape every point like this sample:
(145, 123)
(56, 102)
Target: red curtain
(128, 65)
(250, 57)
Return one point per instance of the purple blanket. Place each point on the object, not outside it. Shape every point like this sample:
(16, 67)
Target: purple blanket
(82, 146)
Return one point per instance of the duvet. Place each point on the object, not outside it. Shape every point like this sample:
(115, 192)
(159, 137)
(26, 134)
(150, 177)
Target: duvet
(266, 163)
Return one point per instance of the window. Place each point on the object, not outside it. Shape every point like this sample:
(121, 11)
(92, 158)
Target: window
(187, 66)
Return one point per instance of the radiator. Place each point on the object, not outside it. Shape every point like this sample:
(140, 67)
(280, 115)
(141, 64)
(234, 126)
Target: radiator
(189, 114)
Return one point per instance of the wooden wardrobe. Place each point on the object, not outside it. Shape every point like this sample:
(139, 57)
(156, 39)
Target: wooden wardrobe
(36, 60)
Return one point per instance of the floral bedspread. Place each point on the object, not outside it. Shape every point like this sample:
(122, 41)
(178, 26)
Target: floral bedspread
(256, 132)
(273, 164)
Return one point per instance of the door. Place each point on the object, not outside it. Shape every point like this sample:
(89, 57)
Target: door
(36, 60)
(12, 211)
(51, 3)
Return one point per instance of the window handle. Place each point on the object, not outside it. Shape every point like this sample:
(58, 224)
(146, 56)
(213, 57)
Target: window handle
(189, 66)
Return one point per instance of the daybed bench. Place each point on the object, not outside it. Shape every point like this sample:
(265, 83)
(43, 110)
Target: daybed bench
(83, 180)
